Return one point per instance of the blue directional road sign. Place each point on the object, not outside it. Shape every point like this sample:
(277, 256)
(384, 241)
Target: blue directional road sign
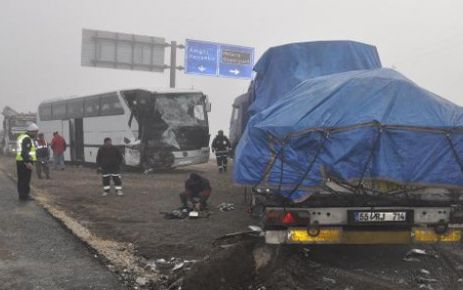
(214, 59)
(236, 61)
(201, 58)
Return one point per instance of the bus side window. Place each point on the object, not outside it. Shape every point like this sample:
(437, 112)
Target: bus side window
(45, 112)
(92, 106)
(58, 110)
(75, 108)
(110, 105)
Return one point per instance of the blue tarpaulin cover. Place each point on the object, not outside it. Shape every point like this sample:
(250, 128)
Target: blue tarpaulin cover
(281, 68)
(358, 124)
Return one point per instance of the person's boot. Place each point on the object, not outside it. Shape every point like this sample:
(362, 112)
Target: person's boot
(105, 193)
(119, 192)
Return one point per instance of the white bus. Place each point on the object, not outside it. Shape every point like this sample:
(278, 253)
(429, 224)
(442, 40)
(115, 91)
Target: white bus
(154, 129)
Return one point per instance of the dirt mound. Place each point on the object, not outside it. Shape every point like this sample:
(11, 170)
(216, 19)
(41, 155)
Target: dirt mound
(224, 269)
(252, 265)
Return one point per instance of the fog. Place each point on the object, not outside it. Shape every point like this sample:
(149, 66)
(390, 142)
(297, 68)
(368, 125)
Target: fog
(41, 41)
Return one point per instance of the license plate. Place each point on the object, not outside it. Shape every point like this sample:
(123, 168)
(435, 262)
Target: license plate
(379, 216)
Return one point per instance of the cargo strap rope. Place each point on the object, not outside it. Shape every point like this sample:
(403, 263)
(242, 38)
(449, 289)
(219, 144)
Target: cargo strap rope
(326, 134)
(455, 153)
(281, 167)
(274, 159)
(370, 157)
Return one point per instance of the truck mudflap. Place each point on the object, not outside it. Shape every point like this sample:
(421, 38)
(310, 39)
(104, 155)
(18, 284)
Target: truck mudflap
(338, 235)
(362, 225)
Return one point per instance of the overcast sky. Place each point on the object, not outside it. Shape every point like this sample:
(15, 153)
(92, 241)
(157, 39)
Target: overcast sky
(40, 41)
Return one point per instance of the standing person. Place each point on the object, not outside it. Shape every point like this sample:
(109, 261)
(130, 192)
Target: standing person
(221, 146)
(196, 188)
(58, 145)
(25, 157)
(43, 156)
(109, 160)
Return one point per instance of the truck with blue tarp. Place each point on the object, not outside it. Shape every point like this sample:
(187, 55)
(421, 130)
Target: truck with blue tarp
(339, 150)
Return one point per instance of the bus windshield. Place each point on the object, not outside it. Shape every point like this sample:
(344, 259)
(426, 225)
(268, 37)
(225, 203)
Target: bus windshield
(170, 121)
(182, 109)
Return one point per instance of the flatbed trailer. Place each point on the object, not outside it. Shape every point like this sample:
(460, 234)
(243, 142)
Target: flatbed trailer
(340, 226)
(359, 220)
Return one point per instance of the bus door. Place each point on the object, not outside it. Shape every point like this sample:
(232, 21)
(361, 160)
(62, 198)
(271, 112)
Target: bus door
(79, 139)
(76, 139)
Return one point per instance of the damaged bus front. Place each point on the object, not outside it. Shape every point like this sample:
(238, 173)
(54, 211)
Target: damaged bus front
(170, 129)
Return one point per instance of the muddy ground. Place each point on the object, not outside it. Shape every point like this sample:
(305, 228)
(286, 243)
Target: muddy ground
(137, 218)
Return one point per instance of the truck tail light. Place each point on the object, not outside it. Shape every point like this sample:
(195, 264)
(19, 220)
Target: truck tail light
(288, 218)
(281, 217)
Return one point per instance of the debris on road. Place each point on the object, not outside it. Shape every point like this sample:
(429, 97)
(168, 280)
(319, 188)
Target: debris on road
(193, 214)
(183, 213)
(416, 252)
(411, 260)
(230, 239)
(224, 206)
(329, 280)
(425, 287)
(142, 281)
(425, 272)
(424, 280)
(255, 228)
(176, 214)
(305, 252)
(171, 265)
(420, 252)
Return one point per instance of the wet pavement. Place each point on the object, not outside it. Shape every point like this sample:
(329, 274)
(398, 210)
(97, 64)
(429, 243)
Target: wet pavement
(36, 252)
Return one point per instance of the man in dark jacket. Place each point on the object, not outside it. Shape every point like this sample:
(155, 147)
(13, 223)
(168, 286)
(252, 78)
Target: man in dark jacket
(221, 146)
(109, 160)
(197, 189)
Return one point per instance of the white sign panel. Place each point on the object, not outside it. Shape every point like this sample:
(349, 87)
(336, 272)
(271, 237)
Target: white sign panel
(122, 51)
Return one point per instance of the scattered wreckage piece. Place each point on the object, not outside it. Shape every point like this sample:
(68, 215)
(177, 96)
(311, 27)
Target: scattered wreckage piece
(224, 206)
(183, 213)
(420, 252)
(228, 240)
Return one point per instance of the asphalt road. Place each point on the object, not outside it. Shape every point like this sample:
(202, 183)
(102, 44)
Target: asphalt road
(36, 252)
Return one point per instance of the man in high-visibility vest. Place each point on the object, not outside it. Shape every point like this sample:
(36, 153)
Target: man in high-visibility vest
(25, 158)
